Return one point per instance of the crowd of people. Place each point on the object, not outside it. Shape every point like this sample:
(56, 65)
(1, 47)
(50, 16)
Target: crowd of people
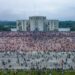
(48, 34)
(37, 60)
(30, 41)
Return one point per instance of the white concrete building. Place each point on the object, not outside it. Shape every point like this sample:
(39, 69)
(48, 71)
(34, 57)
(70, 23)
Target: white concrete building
(64, 29)
(13, 29)
(37, 23)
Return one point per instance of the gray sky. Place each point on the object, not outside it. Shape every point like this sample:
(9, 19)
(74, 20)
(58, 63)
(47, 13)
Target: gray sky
(22, 9)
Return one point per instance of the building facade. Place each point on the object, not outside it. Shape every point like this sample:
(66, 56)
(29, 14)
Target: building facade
(64, 29)
(37, 23)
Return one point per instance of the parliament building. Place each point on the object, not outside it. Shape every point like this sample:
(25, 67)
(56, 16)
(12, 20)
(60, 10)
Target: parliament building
(37, 23)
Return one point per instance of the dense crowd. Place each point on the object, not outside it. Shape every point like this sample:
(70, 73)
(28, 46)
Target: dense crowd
(37, 60)
(30, 41)
(48, 34)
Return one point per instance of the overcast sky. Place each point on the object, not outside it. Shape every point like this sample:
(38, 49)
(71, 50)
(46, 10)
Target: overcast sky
(22, 9)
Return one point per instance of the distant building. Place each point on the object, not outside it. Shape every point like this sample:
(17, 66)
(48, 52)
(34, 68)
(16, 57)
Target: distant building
(13, 29)
(64, 29)
(37, 23)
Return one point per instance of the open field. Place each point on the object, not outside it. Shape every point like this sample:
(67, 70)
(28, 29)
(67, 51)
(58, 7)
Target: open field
(36, 72)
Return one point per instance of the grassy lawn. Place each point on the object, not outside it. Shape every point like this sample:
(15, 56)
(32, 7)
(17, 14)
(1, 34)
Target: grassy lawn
(35, 72)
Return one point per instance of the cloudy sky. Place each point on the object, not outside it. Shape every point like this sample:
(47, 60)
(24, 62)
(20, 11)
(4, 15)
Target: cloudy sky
(22, 9)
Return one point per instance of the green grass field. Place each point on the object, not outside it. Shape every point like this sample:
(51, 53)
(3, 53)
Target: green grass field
(35, 72)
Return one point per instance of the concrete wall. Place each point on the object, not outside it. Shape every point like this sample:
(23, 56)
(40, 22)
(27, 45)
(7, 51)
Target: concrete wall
(37, 23)
(25, 24)
(64, 29)
(53, 25)
(19, 24)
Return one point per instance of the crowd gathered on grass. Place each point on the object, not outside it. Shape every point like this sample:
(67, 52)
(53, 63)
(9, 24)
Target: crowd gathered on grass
(29, 41)
(33, 50)
(37, 60)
